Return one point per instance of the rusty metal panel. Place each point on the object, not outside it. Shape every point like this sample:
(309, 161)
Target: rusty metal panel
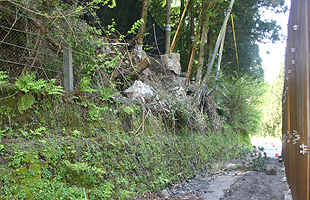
(296, 107)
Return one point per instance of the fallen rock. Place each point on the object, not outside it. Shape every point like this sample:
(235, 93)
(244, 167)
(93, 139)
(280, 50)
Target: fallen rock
(165, 194)
(140, 91)
(172, 62)
(271, 169)
(180, 92)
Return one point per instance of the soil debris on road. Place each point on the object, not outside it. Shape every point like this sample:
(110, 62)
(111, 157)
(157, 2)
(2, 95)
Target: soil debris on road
(231, 185)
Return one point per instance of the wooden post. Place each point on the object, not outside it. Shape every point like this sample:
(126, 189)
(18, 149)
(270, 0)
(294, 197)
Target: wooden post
(68, 69)
(168, 26)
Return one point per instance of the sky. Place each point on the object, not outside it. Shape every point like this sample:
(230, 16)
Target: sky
(273, 54)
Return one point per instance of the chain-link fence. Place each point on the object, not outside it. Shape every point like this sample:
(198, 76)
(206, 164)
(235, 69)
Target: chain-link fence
(34, 37)
(25, 45)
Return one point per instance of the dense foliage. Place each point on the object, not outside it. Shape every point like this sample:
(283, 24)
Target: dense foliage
(90, 143)
(78, 147)
(250, 28)
(271, 125)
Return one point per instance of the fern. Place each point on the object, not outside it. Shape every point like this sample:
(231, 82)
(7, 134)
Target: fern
(38, 131)
(28, 83)
(80, 167)
(3, 76)
(25, 102)
(51, 88)
(85, 85)
(136, 26)
(128, 110)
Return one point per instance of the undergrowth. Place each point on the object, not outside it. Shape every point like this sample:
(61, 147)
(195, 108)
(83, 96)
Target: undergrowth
(86, 144)
(77, 147)
(257, 160)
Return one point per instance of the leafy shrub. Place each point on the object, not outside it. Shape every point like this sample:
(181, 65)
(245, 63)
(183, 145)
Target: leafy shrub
(3, 77)
(242, 100)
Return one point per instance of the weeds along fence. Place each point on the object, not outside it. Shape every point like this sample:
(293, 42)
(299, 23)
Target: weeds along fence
(35, 37)
(25, 44)
(38, 38)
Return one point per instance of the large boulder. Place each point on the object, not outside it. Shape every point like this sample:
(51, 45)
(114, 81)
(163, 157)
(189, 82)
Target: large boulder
(140, 91)
(172, 62)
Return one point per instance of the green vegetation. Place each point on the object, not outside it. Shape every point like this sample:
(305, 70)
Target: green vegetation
(242, 97)
(92, 143)
(76, 148)
(271, 106)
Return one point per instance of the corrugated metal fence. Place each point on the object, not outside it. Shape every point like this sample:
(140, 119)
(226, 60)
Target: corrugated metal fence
(296, 101)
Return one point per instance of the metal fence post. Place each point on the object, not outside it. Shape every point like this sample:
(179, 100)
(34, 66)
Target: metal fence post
(68, 69)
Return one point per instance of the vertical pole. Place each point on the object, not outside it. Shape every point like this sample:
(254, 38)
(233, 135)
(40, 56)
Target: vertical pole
(168, 26)
(192, 28)
(142, 28)
(68, 69)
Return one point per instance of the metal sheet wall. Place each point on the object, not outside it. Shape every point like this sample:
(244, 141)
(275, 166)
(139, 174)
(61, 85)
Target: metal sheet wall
(296, 101)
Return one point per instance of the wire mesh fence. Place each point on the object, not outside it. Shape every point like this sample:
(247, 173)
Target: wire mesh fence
(33, 37)
(25, 47)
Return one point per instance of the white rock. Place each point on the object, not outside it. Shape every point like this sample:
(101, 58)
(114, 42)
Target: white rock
(165, 194)
(288, 195)
(288, 192)
(140, 91)
(172, 62)
(180, 91)
(180, 80)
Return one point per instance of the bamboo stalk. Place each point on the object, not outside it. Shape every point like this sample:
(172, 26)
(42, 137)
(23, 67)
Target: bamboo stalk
(174, 41)
(190, 64)
(218, 42)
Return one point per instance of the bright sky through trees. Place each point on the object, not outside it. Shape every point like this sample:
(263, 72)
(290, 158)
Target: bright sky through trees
(273, 54)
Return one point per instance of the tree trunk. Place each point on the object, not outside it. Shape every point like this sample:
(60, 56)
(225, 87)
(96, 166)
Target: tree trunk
(202, 91)
(190, 64)
(203, 86)
(218, 67)
(142, 27)
(210, 41)
(182, 40)
(182, 8)
(168, 26)
(202, 50)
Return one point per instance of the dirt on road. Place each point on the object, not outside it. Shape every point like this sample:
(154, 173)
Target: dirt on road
(259, 185)
(231, 184)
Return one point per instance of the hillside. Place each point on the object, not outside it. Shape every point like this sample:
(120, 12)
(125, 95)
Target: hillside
(72, 126)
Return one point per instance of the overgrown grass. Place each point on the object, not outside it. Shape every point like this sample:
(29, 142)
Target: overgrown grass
(75, 148)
